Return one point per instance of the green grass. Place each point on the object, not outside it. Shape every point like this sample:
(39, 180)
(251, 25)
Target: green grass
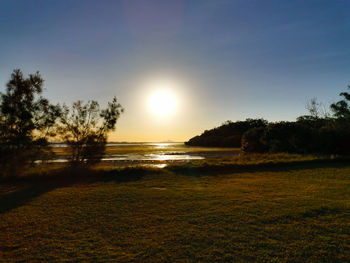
(296, 213)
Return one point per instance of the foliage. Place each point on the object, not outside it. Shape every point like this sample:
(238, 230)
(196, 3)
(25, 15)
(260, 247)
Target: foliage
(229, 134)
(251, 141)
(341, 109)
(317, 111)
(84, 127)
(292, 137)
(315, 133)
(26, 122)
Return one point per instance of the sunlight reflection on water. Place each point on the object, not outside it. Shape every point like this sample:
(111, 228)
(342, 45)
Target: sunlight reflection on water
(148, 154)
(152, 157)
(153, 165)
(140, 157)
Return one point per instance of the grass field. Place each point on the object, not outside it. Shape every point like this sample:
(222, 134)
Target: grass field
(298, 213)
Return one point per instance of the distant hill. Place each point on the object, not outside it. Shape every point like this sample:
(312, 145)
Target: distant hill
(229, 134)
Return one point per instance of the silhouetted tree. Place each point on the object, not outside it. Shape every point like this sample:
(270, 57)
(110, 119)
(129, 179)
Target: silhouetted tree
(229, 134)
(341, 109)
(314, 133)
(252, 141)
(26, 121)
(84, 127)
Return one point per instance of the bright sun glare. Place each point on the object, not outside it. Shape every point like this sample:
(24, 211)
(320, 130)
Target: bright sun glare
(162, 103)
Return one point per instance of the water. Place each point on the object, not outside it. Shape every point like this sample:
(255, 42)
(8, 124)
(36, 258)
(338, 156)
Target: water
(128, 144)
(140, 158)
(152, 157)
(149, 154)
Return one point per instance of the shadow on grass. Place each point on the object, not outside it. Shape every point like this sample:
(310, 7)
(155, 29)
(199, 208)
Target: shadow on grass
(15, 192)
(215, 169)
(27, 188)
(298, 216)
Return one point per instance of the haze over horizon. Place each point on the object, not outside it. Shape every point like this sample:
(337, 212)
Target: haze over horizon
(180, 67)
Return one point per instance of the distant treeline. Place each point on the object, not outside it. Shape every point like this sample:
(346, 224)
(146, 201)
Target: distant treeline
(229, 134)
(319, 132)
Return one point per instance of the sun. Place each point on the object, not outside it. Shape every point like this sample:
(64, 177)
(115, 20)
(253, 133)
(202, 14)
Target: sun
(162, 102)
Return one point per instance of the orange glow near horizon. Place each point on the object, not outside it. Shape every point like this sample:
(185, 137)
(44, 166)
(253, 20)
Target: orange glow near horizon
(161, 109)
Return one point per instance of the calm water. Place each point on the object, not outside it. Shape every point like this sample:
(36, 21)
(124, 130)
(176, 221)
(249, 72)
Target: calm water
(128, 144)
(153, 154)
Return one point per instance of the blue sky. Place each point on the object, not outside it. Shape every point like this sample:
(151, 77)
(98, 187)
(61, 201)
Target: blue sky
(230, 59)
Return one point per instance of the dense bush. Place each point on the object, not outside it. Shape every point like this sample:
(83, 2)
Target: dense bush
(84, 127)
(317, 133)
(252, 141)
(26, 122)
(333, 137)
(229, 134)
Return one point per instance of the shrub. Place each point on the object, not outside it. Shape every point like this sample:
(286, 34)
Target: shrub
(84, 127)
(26, 122)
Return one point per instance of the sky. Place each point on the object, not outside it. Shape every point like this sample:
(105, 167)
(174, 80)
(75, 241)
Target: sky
(220, 59)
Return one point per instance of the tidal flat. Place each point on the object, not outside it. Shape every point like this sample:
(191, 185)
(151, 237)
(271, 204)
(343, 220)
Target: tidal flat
(149, 154)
